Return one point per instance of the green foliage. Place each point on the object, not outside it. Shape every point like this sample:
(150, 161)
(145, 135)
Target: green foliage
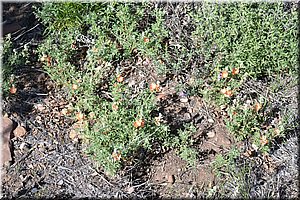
(63, 16)
(232, 177)
(11, 59)
(225, 162)
(113, 128)
(184, 142)
(85, 41)
(258, 38)
(80, 59)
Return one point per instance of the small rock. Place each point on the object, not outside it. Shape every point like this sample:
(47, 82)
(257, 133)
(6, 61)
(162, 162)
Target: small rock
(19, 131)
(5, 115)
(7, 126)
(34, 190)
(22, 145)
(183, 97)
(248, 102)
(187, 116)
(130, 190)
(223, 107)
(131, 83)
(210, 120)
(60, 182)
(39, 107)
(211, 134)
(64, 111)
(38, 119)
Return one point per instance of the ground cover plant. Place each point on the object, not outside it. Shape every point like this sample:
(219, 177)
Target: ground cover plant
(143, 80)
(127, 121)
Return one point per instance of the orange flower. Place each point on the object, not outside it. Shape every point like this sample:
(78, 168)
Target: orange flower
(116, 155)
(49, 61)
(79, 116)
(74, 87)
(224, 74)
(139, 123)
(154, 86)
(146, 40)
(13, 89)
(263, 140)
(257, 106)
(227, 93)
(114, 107)
(235, 71)
(120, 79)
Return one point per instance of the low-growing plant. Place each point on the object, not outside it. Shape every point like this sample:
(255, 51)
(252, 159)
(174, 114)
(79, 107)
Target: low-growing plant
(241, 41)
(121, 125)
(183, 144)
(232, 177)
(258, 38)
(12, 59)
(114, 120)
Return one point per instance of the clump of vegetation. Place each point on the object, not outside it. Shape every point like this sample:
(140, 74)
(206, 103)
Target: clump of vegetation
(12, 59)
(80, 55)
(242, 42)
(238, 42)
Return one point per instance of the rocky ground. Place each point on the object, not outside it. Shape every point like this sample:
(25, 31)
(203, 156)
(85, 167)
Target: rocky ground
(46, 162)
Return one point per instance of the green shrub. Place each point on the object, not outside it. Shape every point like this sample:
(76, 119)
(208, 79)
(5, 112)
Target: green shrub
(80, 57)
(258, 38)
(12, 59)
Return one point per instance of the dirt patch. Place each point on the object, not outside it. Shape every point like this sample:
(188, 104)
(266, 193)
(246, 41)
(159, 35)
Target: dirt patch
(174, 176)
(177, 180)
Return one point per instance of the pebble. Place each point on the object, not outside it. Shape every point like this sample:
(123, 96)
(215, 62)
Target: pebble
(34, 190)
(210, 120)
(183, 99)
(130, 190)
(223, 107)
(60, 182)
(39, 107)
(23, 144)
(211, 134)
(19, 131)
(187, 116)
(73, 134)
